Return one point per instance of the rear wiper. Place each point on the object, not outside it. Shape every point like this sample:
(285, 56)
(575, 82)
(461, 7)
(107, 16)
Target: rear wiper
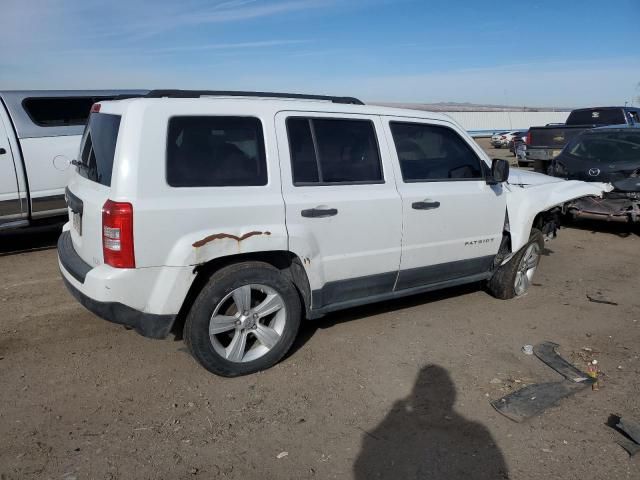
(78, 164)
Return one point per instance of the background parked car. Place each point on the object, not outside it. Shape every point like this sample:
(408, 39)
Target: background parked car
(608, 154)
(517, 137)
(546, 143)
(497, 139)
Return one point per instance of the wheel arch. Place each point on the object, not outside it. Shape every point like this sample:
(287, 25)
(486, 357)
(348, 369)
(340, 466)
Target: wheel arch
(287, 262)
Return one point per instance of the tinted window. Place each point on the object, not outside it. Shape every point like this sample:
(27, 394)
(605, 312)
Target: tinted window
(215, 152)
(603, 116)
(98, 147)
(606, 147)
(303, 155)
(59, 112)
(430, 152)
(333, 151)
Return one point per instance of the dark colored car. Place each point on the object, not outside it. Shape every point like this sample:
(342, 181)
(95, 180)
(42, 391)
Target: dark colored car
(517, 141)
(610, 155)
(545, 143)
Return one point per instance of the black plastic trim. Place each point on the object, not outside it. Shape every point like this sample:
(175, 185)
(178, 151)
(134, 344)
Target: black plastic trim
(230, 93)
(75, 204)
(356, 302)
(70, 260)
(385, 286)
(443, 272)
(146, 324)
(353, 288)
(48, 203)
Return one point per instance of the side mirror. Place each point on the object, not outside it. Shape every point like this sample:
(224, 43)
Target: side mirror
(499, 171)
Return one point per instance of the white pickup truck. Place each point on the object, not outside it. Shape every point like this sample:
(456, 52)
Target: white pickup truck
(40, 134)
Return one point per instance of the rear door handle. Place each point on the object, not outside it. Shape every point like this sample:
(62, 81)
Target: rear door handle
(425, 205)
(319, 212)
(2, 151)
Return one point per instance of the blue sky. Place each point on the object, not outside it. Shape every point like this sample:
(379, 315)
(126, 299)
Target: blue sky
(536, 53)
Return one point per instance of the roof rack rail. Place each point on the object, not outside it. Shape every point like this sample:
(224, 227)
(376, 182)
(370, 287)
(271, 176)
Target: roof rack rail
(224, 93)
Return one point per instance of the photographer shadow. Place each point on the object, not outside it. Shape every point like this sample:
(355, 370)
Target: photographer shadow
(422, 437)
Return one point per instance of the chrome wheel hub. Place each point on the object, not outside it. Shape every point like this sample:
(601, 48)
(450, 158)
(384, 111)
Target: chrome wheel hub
(526, 269)
(247, 323)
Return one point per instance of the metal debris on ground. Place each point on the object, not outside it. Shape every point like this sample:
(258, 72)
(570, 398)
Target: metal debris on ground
(534, 399)
(599, 298)
(630, 431)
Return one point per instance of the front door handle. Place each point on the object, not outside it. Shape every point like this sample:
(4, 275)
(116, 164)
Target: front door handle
(319, 212)
(425, 205)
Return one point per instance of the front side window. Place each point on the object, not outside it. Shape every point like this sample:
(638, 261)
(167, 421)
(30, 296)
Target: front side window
(433, 153)
(333, 151)
(215, 152)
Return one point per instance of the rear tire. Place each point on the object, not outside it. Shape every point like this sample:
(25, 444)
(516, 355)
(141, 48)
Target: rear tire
(244, 320)
(514, 278)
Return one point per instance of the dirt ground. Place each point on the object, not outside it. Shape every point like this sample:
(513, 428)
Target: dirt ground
(395, 390)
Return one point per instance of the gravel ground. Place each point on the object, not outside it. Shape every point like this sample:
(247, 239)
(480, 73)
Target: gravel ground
(394, 390)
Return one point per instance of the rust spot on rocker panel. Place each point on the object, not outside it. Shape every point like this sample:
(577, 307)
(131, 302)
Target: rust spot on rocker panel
(219, 236)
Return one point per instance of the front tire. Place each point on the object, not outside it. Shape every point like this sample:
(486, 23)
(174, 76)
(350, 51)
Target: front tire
(514, 278)
(244, 320)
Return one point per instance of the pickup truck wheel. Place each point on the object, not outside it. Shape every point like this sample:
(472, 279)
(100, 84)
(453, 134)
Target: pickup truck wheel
(514, 278)
(244, 320)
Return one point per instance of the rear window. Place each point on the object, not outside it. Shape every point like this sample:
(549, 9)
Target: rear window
(59, 112)
(98, 147)
(603, 116)
(606, 147)
(215, 152)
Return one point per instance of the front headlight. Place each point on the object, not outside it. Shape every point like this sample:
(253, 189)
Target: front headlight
(559, 170)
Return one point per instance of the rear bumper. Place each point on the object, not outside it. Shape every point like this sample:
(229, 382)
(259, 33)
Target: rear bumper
(540, 153)
(145, 299)
(146, 324)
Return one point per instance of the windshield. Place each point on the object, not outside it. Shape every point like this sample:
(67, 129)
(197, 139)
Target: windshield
(98, 147)
(606, 147)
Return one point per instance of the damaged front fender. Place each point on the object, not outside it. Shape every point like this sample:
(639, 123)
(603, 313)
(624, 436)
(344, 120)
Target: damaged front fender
(529, 194)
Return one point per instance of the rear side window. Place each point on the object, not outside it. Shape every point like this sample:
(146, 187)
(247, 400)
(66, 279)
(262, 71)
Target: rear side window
(98, 147)
(433, 153)
(59, 112)
(333, 151)
(603, 116)
(215, 152)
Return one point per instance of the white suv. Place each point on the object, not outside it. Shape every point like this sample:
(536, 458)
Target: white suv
(228, 218)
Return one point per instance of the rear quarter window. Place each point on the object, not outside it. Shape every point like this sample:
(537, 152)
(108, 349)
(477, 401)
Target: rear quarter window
(208, 151)
(98, 147)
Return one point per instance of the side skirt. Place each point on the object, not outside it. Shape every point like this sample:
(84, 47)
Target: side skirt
(320, 312)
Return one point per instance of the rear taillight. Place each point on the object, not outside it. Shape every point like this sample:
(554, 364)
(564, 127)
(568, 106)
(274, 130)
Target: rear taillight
(95, 108)
(527, 138)
(117, 234)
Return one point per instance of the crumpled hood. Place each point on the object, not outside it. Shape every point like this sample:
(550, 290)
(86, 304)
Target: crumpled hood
(524, 178)
(530, 193)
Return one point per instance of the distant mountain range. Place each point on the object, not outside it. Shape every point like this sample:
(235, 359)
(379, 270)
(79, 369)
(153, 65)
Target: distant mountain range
(469, 107)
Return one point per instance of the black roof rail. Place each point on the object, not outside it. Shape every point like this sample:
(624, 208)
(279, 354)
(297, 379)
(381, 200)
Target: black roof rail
(224, 93)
